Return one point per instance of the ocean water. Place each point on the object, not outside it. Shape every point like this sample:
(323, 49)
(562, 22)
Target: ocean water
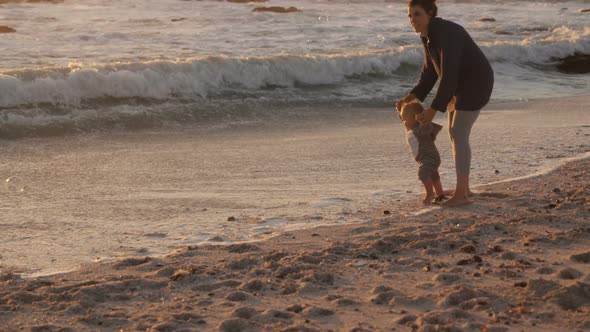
(87, 65)
(281, 121)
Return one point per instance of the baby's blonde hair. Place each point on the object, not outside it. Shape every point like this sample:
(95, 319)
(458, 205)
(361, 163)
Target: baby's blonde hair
(412, 108)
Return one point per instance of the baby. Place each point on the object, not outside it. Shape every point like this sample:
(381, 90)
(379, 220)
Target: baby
(420, 139)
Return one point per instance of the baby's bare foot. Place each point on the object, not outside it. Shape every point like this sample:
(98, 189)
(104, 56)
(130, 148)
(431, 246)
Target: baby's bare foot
(428, 199)
(439, 199)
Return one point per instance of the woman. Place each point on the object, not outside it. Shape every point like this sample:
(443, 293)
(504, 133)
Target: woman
(466, 82)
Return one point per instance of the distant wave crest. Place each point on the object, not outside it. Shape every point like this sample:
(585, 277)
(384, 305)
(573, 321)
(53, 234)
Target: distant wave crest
(197, 78)
(208, 77)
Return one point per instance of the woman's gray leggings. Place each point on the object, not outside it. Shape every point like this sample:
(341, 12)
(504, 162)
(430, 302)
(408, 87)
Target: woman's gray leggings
(460, 123)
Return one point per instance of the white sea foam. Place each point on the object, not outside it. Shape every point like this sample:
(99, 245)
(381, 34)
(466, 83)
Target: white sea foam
(219, 57)
(194, 78)
(202, 77)
(541, 49)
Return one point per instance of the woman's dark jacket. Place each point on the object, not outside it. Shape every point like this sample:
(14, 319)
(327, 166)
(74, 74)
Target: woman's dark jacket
(452, 55)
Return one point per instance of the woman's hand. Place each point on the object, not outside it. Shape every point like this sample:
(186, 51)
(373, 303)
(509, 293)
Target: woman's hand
(400, 103)
(426, 117)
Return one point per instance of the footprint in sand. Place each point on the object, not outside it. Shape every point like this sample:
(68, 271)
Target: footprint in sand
(253, 286)
(318, 312)
(273, 221)
(236, 324)
(387, 192)
(274, 316)
(327, 202)
(572, 297)
(569, 274)
(155, 235)
(345, 302)
(237, 296)
(383, 294)
(245, 312)
(581, 258)
(494, 195)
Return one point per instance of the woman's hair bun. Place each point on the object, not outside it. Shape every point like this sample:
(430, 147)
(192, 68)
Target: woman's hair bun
(427, 5)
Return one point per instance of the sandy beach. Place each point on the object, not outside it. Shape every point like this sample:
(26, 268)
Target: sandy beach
(517, 259)
(239, 166)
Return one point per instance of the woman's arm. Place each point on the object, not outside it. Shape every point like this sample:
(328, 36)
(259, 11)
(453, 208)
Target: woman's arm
(426, 117)
(428, 78)
(450, 43)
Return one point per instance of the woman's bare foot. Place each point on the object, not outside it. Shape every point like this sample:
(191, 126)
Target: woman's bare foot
(457, 201)
(428, 198)
(451, 192)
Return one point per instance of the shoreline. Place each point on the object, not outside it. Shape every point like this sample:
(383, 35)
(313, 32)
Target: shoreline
(561, 162)
(500, 264)
(296, 117)
(408, 201)
(270, 179)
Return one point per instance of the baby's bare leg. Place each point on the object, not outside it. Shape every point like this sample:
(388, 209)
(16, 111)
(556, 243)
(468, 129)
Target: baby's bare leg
(438, 188)
(437, 185)
(429, 196)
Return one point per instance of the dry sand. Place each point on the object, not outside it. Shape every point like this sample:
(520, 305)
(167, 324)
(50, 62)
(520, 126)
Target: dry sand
(518, 259)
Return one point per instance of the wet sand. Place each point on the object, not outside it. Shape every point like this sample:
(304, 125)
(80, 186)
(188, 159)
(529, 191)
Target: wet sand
(103, 196)
(30, 1)
(517, 259)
